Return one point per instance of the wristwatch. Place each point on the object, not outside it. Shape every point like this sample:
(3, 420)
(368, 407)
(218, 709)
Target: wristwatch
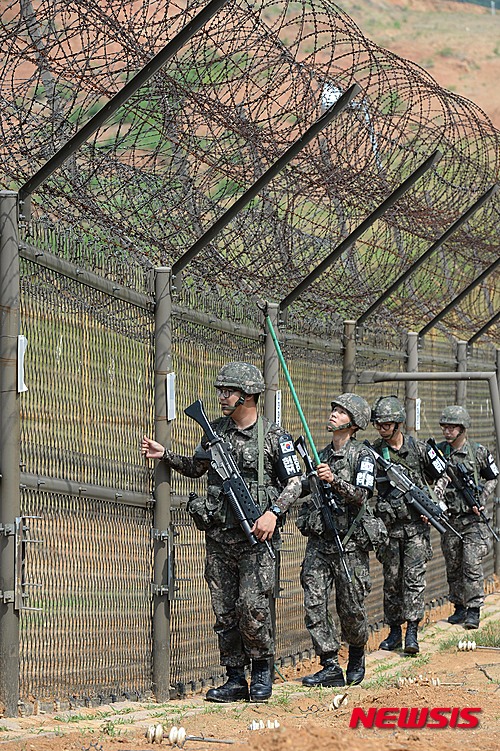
(276, 511)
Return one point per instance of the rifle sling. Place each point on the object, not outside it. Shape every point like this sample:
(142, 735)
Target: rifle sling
(260, 444)
(355, 523)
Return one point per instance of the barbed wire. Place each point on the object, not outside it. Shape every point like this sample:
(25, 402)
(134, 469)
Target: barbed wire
(188, 144)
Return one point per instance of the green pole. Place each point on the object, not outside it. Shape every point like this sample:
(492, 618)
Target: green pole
(292, 389)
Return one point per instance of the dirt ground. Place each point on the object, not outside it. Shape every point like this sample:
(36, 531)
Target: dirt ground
(307, 718)
(457, 43)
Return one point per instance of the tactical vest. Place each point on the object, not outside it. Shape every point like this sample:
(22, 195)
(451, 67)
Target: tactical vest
(343, 466)
(467, 454)
(411, 464)
(245, 452)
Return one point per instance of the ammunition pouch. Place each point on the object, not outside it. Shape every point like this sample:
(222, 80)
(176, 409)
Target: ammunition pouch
(203, 512)
(392, 507)
(310, 522)
(372, 534)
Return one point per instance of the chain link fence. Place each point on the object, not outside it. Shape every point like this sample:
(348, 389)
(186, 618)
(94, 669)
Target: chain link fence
(145, 188)
(88, 638)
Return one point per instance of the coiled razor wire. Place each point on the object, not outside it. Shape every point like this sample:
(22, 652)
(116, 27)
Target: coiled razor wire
(182, 149)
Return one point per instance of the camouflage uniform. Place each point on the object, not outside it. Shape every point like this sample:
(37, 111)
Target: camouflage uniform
(409, 548)
(240, 577)
(464, 570)
(353, 468)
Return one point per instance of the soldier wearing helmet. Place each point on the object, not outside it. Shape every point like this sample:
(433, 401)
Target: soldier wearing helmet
(409, 548)
(241, 577)
(348, 467)
(463, 559)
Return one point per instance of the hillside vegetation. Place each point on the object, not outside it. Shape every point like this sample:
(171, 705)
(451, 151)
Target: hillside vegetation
(457, 43)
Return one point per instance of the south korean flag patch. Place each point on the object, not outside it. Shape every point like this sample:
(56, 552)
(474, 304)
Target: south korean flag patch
(288, 464)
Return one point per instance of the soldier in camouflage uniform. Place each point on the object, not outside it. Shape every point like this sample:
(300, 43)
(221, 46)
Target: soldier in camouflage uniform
(463, 560)
(241, 577)
(409, 549)
(348, 466)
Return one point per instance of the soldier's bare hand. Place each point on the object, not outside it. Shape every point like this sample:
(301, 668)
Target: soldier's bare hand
(264, 527)
(151, 449)
(325, 473)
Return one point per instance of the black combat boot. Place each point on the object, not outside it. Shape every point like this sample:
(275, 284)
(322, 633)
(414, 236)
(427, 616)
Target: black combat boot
(356, 666)
(330, 674)
(411, 642)
(459, 615)
(394, 640)
(471, 618)
(261, 683)
(234, 689)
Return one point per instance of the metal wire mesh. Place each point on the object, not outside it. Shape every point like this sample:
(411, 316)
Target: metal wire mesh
(92, 637)
(138, 194)
(199, 133)
(86, 351)
(86, 590)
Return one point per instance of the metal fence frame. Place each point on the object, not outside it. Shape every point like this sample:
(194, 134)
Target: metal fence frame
(175, 545)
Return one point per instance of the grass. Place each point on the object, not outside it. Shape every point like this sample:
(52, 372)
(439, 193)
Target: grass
(281, 700)
(110, 727)
(387, 673)
(74, 718)
(446, 52)
(485, 636)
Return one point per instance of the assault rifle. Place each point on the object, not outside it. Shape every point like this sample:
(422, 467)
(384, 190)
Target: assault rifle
(415, 496)
(243, 505)
(462, 480)
(323, 499)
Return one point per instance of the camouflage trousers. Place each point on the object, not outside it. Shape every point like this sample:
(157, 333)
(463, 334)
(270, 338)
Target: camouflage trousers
(241, 579)
(405, 564)
(464, 569)
(322, 571)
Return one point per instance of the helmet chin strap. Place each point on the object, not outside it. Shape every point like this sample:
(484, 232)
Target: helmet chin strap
(334, 428)
(241, 400)
(395, 430)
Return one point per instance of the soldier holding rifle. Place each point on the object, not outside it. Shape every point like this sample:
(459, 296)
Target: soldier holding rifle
(348, 468)
(409, 535)
(463, 559)
(241, 575)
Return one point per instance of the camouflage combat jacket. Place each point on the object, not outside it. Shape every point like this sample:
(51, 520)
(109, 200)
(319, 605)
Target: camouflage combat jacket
(353, 465)
(480, 464)
(245, 452)
(412, 458)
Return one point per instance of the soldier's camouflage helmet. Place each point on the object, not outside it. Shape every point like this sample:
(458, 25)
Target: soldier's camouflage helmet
(455, 415)
(388, 409)
(358, 408)
(242, 376)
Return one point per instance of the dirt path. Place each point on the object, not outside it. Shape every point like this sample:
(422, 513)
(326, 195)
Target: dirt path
(307, 718)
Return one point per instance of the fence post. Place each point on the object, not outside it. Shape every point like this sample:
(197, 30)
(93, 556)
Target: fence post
(349, 362)
(496, 502)
(461, 368)
(10, 503)
(411, 386)
(162, 543)
(271, 369)
(272, 410)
